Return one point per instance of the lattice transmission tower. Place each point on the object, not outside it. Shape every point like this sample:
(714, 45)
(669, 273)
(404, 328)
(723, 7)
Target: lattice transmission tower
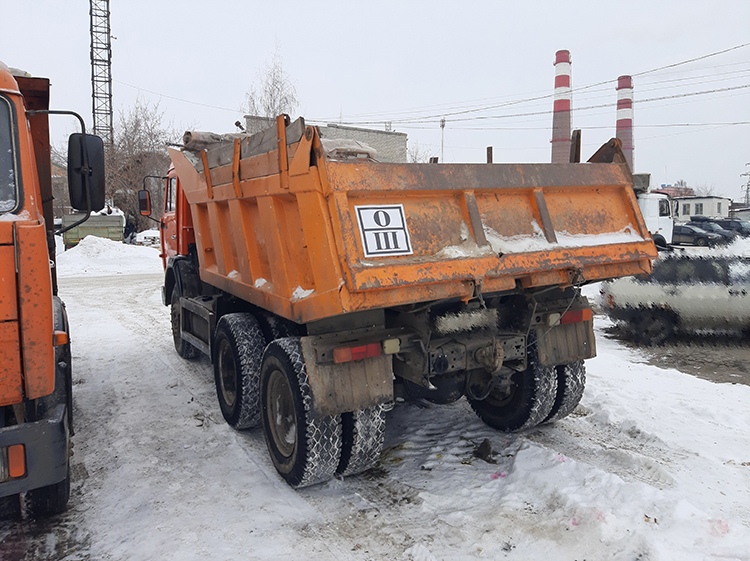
(101, 70)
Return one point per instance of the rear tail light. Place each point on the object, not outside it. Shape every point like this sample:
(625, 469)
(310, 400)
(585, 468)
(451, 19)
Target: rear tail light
(360, 352)
(577, 316)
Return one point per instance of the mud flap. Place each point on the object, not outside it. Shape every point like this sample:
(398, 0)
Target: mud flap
(348, 387)
(564, 344)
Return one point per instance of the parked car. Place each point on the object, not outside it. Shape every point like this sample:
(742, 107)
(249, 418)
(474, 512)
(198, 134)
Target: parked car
(692, 235)
(728, 235)
(742, 227)
(683, 293)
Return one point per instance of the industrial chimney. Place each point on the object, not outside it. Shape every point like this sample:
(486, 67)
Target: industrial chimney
(561, 113)
(624, 129)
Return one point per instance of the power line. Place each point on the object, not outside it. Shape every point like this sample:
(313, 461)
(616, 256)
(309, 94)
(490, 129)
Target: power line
(235, 111)
(546, 96)
(546, 112)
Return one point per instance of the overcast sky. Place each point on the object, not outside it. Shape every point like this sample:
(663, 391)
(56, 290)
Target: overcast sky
(397, 61)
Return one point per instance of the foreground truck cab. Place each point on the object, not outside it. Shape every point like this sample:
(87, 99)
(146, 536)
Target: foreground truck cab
(35, 359)
(324, 285)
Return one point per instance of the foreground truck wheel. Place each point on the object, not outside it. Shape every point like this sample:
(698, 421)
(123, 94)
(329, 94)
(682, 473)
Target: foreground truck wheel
(571, 381)
(304, 449)
(362, 441)
(53, 499)
(183, 348)
(528, 402)
(238, 348)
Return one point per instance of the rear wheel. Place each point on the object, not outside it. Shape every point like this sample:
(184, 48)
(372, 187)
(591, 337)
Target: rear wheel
(571, 380)
(238, 348)
(183, 348)
(362, 441)
(528, 402)
(10, 507)
(655, 328)
(304, 449)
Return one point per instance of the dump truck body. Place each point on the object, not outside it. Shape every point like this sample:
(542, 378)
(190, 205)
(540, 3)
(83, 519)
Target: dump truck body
(458, 279)
(35, 376)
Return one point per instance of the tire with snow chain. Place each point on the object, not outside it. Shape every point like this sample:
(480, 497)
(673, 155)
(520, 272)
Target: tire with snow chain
(183, 348)
(571, 381)
(305, 449)
(237, 352)
(529, 402)
(363, 434)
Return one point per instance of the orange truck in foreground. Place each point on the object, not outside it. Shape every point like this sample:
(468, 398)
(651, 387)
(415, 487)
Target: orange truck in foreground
(324, 285)
(35, 359)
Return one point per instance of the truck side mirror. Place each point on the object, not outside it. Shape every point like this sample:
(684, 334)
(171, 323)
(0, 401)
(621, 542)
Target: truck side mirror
(86, 171)
(144, 202)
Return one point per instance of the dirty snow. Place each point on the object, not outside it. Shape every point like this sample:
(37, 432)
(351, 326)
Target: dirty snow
(538, 242)
(654, 464)
(300, 293)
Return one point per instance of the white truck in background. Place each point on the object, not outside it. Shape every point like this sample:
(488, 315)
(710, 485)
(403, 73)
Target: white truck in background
(656, 209)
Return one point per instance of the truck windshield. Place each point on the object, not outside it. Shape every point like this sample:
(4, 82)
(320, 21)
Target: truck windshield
(8, 161)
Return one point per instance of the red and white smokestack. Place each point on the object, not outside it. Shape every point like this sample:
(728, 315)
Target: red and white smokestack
(625, 118)
(561, 113)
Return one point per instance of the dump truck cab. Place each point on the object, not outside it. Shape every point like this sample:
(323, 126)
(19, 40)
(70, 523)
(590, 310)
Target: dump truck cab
(35, 370)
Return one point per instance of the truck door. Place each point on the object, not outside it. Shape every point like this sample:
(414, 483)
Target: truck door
(169, 219)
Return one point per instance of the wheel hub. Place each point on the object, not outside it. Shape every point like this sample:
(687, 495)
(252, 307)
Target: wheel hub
(228, 373)
(281, 415)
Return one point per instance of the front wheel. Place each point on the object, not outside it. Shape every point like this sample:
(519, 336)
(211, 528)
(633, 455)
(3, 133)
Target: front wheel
(527, 403)
(656, 328)
(701, 242)
(49, 500)
(183, 348)
(305, 449)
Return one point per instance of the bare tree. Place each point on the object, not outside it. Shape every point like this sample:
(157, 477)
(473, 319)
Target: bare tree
(417, 154)
(139, 150)
(273, 93)
(705, 190)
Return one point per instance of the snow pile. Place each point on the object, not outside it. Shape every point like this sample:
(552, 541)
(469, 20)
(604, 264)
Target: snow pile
(740, 246)
(102, 257)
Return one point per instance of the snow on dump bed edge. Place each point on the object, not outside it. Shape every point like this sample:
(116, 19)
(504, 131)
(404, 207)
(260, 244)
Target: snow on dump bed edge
(96, 257)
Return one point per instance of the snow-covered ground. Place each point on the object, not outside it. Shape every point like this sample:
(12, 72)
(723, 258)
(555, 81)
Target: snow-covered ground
(654, 465)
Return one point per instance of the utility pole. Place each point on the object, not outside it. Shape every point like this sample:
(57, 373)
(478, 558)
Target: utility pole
(442, 140)
(747, 185)
(101, 70)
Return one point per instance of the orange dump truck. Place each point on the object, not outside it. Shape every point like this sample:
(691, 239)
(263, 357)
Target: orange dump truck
(323, 285)
(35, 360)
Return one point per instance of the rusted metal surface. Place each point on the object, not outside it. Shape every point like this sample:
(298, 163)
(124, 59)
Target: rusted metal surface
(308, 238)
(35, 310)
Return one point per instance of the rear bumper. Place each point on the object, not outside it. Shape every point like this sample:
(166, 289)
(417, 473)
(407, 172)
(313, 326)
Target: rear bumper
(46, 451)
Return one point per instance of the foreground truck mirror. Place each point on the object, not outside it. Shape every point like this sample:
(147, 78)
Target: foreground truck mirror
(86, 172)
(144, 202)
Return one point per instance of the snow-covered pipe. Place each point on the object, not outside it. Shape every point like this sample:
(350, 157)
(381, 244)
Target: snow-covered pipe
(624, 129)
(561, 112)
